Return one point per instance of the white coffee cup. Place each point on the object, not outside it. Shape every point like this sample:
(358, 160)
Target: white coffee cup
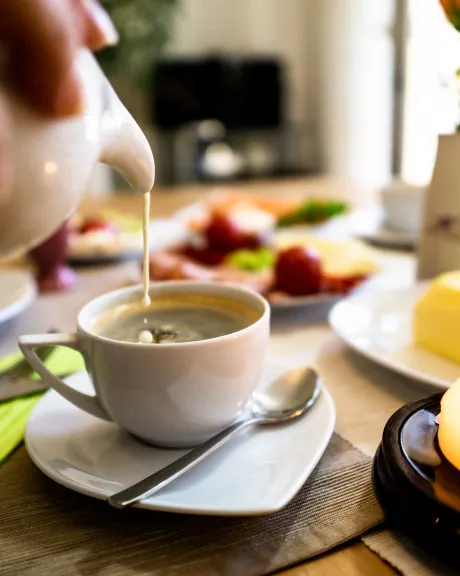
(172, 395)
(403, 206)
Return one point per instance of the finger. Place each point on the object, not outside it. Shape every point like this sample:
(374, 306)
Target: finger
(4, 167)
(99, 30)
(41, 38)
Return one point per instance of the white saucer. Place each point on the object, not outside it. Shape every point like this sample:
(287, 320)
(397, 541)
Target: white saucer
(258, 472)
(385, 237)
(17, 292)
(378, 325)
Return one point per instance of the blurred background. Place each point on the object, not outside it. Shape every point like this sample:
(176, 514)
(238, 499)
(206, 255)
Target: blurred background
(225, 91)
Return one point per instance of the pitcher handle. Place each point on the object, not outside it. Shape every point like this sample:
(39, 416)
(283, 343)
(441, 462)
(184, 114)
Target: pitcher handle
(27, 345)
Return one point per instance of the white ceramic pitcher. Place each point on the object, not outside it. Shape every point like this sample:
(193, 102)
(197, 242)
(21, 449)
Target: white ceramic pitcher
(51, 161)
(439, 249)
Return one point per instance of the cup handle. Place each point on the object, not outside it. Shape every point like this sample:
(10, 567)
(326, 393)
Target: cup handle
(27, 344)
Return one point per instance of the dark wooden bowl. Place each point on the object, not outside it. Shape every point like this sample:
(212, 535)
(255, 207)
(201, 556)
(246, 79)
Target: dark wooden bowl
(416, 486)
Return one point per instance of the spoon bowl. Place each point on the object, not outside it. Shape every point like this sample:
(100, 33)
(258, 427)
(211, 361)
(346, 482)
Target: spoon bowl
(289, 397)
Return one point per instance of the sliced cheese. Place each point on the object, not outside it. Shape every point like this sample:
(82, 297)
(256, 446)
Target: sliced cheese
(436, 324)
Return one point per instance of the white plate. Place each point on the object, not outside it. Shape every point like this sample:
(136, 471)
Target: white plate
(392, 239)
(93, 249)
(379, 326)
(293, 302)
(17, 292)
(258, 472)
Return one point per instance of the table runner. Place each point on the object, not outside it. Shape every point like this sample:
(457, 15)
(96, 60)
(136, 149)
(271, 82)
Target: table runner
(47, 529)
(405, 556)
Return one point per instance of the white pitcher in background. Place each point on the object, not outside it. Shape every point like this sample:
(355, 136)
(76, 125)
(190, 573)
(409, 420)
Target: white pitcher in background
(51, 161)
(439, 249)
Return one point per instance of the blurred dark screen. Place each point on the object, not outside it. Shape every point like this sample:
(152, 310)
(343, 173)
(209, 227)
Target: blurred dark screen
(244, 93)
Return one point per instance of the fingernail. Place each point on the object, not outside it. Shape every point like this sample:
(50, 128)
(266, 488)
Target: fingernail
(69, 100)
(103, 22)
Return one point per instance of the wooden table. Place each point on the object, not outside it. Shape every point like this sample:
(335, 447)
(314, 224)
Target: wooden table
(354, 558)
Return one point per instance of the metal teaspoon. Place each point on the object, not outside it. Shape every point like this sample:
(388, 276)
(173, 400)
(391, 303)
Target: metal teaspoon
(288, 397)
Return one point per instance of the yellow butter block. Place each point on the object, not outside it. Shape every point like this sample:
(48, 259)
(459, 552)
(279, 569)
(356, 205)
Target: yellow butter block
(449, 425)
(436, 324)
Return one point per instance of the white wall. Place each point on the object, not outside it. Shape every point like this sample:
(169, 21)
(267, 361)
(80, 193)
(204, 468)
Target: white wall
(431, 103)
(339, 56)
(356, 87)
(283, 27)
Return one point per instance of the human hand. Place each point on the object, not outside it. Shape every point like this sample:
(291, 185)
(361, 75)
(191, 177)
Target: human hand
(38, 43)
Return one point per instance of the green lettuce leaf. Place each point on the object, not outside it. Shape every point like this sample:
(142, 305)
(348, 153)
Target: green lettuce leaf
(313, 212)
(252, 260)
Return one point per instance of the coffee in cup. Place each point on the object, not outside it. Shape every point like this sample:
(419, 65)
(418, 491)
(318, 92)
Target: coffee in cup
(174, 319)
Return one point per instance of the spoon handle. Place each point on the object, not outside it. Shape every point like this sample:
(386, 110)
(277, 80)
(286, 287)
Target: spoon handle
(165, 476)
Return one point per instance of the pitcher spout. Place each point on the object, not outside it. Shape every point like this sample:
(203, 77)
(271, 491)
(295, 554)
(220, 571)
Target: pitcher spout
(125, 148)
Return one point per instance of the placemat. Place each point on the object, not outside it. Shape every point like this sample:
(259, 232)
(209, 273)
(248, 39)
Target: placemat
(405, 556)
(47, 529)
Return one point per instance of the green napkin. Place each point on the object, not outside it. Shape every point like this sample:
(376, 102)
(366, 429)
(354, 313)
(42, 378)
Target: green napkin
(15, 413)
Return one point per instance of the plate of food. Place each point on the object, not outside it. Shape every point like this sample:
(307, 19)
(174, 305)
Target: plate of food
(266, 246)
(284, 211)
(104, 235)
(413, 331)
(111, 235)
